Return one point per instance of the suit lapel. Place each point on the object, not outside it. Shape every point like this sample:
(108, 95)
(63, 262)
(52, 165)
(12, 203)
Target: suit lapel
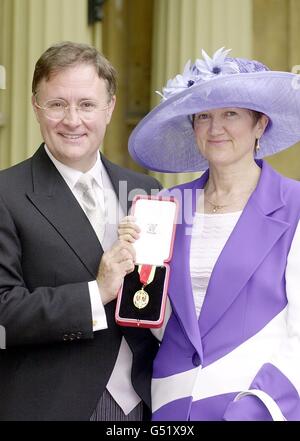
(251, 240)
(255, 234)
(55, 201)
(180, 288)
(122, 187)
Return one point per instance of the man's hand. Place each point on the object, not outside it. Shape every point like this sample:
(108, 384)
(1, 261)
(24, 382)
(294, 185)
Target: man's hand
(128, 230)
(114, 265)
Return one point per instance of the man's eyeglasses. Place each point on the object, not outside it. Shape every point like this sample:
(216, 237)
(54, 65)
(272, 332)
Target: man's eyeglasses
(58, 108)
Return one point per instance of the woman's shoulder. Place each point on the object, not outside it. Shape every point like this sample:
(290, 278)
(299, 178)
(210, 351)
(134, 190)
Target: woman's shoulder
(196, 183)
(290, 194)
(181, 190)
(288, 185)
(291, 186)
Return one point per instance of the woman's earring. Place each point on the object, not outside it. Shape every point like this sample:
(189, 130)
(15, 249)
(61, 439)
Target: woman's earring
(257, 146)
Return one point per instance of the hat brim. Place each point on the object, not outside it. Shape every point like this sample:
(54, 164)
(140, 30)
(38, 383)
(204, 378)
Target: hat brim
(164, 140)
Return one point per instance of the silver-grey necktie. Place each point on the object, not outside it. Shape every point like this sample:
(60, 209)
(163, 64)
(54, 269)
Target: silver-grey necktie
(91, 205)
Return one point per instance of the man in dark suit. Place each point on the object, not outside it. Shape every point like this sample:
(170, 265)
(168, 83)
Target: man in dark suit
(65, 357)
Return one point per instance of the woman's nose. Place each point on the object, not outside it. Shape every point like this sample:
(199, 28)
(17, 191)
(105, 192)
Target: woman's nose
(216, 126)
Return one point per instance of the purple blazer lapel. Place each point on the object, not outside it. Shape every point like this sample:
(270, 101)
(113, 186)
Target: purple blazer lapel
(180, 288)
(251, 240)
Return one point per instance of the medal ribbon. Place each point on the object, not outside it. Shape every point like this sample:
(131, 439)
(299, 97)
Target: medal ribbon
(147, 273)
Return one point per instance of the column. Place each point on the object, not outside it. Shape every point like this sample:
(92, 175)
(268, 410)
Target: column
(27, 28)
(276, 43)
(2, 86)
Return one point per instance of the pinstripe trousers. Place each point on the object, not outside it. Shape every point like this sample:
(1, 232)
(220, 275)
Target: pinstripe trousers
(107, 409)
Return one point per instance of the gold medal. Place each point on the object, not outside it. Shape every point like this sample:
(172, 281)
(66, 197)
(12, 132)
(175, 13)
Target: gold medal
(140, 299)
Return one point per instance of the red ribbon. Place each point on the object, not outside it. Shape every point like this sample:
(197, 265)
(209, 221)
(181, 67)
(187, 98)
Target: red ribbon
(145, 273)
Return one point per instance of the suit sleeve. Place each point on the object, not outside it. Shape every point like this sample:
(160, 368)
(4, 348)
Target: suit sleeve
(274, 392)
(45, 314)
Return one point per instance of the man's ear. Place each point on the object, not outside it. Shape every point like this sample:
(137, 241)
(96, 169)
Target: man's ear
(110, 109)
(35, 109)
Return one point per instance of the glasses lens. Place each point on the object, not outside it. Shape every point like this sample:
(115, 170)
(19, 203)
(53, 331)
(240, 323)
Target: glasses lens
(87, 109)
(55, 109)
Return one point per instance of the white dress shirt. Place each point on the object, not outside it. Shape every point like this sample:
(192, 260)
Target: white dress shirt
(119, 384)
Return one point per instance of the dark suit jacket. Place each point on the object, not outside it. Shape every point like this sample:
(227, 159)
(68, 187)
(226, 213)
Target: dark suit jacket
(55, 367)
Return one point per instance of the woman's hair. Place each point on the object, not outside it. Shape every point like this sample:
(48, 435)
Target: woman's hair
(66, 54)
(255, 115)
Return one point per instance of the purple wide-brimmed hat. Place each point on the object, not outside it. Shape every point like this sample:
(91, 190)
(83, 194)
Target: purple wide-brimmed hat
(164, 140)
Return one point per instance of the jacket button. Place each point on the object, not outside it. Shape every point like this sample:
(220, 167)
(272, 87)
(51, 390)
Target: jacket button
(196, 359)
(78, 335)
(72, 336)
(66, 337)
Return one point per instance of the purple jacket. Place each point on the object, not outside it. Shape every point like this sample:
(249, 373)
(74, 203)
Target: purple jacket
(241, 359)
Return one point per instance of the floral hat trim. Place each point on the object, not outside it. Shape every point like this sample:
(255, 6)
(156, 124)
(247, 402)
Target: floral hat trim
(207, 69)
(165, 140)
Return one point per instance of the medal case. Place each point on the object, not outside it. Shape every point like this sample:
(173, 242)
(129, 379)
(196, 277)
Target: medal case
(141, 304)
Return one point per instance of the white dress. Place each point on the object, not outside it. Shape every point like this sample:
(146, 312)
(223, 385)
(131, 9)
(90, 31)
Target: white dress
(209, 235)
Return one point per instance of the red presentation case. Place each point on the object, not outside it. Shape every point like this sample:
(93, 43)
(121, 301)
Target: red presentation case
(157, 217)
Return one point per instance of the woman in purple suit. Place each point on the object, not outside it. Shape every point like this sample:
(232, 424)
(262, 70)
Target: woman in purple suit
(231, 343)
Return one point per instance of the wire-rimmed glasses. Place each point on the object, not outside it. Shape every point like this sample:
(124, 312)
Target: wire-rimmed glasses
(57, 109)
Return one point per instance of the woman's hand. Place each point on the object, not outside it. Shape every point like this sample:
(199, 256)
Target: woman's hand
(128, 230)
